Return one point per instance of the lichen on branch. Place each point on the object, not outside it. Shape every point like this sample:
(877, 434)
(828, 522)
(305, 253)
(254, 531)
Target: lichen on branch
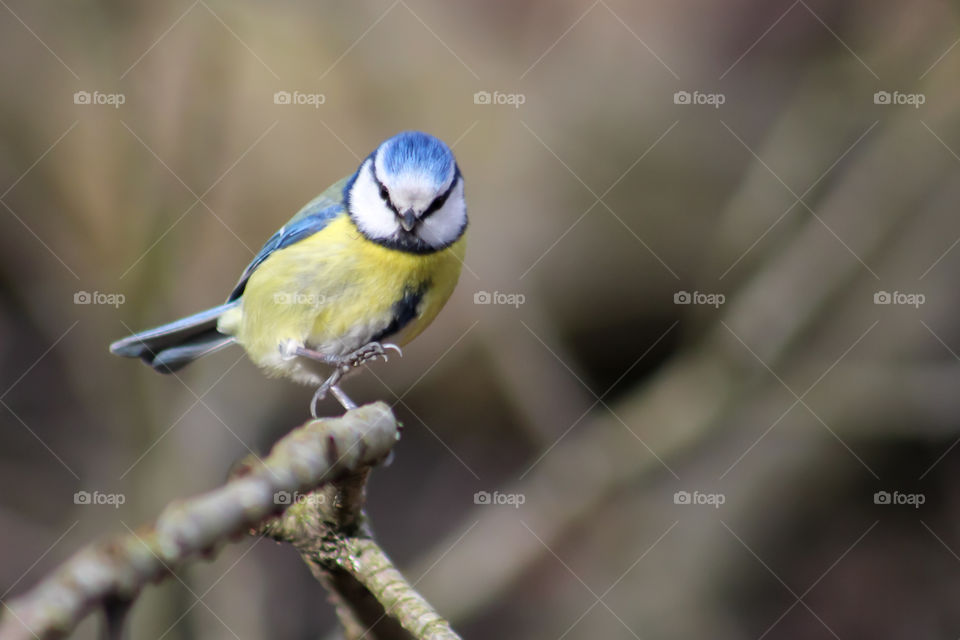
(326, 460)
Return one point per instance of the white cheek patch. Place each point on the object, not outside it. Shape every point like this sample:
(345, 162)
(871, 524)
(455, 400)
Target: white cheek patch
(370, 213)
(445, 225)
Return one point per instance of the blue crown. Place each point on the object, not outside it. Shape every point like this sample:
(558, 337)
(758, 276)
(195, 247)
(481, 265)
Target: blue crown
(417, 152)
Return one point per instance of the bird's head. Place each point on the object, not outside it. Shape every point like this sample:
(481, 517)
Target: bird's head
(408, 194)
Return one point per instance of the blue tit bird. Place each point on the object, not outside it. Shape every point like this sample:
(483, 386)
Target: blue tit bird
(363, 268)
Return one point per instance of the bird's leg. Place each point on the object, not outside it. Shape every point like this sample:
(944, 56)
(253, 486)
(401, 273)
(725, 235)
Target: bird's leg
(343, 365)
(342, 397)
(330, 384)
(290, 349)
(370, 351)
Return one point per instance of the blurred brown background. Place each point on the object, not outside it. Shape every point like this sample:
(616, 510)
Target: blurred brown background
(778, 185)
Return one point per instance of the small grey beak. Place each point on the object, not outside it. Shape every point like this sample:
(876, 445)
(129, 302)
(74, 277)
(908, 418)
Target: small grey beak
(408, 220)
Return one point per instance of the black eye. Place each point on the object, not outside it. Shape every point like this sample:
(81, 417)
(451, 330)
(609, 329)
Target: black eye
(384, 193)
(436, 204)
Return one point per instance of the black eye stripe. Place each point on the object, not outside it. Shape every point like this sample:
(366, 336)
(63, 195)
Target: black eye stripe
(441, 199)
(384, 193)
(435, 206)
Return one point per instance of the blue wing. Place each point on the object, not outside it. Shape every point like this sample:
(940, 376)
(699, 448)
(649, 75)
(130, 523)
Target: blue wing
(316, 215)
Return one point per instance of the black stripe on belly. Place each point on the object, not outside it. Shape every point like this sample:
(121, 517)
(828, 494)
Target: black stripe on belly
(404, 311)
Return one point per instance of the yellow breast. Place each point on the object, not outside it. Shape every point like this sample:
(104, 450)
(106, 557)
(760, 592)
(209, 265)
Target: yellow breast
(335, 291)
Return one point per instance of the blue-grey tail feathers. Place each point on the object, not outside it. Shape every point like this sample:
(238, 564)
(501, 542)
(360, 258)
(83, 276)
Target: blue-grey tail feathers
(175, 345)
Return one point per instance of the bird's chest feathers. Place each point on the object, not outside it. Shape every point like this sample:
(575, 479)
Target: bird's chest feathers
(338, 290)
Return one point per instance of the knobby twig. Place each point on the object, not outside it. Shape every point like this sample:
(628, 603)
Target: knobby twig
(373, 600)
(327, 527)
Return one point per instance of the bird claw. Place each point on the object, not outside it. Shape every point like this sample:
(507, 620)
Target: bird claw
(369, 352)
(351, 361)
(390, 345)
(330, 386)
(319, 395)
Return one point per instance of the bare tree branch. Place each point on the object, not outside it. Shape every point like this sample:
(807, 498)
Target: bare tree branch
(326, 526)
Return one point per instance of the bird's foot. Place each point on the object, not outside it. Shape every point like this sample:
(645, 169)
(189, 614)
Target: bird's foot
(290, 349)
(344, 365)
(369, 352)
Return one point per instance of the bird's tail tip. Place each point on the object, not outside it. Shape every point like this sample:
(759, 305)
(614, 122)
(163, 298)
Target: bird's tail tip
(174, 345)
